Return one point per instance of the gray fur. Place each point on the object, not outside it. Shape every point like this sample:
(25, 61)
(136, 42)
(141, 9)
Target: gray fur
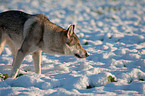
(25, 34)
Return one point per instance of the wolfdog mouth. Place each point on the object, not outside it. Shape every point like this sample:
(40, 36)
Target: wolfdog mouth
(77, 55)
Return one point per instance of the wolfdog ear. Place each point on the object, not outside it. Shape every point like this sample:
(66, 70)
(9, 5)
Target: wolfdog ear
(70, 30)
(69, 33)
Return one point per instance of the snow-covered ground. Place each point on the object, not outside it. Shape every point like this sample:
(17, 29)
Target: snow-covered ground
(112, 31)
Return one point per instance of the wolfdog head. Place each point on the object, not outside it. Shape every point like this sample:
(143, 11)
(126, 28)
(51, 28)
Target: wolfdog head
(72, 44)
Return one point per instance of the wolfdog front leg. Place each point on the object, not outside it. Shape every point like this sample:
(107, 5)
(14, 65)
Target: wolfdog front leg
(37, 61)
(30, 44)
(19, 58)
(22, 52)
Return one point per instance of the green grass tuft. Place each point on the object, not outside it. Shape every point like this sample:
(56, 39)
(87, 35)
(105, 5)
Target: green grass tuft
(86, 43)
(111, 79)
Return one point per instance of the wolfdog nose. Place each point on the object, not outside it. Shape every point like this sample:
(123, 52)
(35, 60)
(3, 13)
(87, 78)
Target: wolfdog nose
(86, 55)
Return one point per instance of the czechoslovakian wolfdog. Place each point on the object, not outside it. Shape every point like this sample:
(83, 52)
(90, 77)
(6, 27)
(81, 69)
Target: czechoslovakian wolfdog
(25, 34)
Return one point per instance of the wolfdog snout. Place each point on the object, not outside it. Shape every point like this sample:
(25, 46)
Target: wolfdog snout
(82, 56)
(87, 54)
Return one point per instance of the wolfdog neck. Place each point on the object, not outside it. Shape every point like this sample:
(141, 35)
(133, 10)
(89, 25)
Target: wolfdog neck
(55, 36)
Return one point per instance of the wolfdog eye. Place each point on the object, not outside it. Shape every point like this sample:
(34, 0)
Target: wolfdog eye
(78, 45)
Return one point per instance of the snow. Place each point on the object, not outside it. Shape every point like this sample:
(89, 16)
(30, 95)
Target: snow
(113, 33)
